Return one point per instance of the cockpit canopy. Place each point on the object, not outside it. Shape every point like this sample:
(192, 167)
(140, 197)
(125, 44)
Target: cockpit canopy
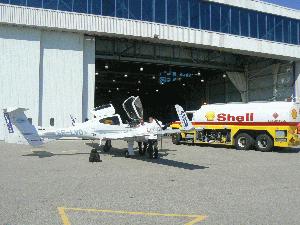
(133, 108)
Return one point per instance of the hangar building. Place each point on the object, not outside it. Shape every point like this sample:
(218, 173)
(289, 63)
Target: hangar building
(62, 57)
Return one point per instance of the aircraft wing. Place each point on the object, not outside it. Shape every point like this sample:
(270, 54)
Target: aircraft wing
(122, 136)
(168, 131)
(162, 133)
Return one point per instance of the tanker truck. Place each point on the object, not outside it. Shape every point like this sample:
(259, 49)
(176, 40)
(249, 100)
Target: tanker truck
(255, 125)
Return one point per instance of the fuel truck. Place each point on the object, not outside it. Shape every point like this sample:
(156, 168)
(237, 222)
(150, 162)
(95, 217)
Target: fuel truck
(255, 125)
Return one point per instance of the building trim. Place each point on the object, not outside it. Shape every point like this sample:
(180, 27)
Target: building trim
(118, 27)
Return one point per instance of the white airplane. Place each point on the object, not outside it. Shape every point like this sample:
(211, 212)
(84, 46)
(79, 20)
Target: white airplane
(105, 126)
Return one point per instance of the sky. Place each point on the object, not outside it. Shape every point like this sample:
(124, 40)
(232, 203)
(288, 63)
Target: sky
(295, 4)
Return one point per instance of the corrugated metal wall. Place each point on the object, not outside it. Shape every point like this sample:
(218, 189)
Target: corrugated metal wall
(266, 82)
(221, 90)
(88, 91)
(19, 70)
(297, 80)
(45, 72)
(62, 77)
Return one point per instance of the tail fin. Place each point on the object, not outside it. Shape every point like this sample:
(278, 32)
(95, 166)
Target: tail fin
(20, 130)
(185, 122)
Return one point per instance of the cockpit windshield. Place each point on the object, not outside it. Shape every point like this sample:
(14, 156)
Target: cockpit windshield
(133, 107)
(113, 120)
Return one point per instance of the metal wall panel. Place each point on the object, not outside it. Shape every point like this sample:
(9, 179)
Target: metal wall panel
(297, 80)
(19, 70)
(44, 71)
(99, 25)
(263, 86)
(62, 77)
(88, 90)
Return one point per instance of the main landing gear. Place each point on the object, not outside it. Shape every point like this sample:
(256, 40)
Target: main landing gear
(149, 147)
(107, 146)
(94, 156)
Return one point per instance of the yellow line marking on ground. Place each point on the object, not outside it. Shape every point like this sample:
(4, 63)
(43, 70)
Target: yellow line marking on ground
(196, 220)
(65, 219)
(63, 216)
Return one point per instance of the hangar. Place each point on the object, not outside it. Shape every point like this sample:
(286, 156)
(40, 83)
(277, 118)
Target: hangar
(62, 57)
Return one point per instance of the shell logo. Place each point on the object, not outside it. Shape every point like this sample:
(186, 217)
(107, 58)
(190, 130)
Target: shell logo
(294, 114)
(210, 116)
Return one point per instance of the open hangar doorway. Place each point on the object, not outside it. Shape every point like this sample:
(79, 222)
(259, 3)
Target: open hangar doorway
(158, 86)
(164, 75)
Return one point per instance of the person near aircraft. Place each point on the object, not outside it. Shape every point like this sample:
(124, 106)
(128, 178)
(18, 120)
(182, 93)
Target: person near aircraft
(142, 145)
(153, 126)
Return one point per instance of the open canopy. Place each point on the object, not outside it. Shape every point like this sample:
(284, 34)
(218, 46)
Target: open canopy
(133, 108)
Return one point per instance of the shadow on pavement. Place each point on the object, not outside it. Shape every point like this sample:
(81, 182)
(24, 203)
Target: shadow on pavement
(287, 150)
(277, 150)
(45, 154)
(160, 161)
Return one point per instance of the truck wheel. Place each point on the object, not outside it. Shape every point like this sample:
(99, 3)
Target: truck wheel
(264, 143)
(243, 141)
(176, 138)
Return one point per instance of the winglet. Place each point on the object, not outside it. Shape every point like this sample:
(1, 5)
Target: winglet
(185, 122)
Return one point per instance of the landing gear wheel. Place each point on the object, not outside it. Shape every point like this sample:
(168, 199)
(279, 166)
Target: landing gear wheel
(107, 146)
(150, 151)
(94, 156)
(155, 156)
(264, 143)
(176, 138)
(142, 149)
(243, 141)
(127, 154)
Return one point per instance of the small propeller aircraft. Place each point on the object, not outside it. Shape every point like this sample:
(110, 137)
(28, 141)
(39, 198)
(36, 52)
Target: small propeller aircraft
(105, 126)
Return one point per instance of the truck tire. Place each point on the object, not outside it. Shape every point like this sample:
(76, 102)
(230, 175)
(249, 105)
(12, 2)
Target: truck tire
(243, 141)
(264, 143)
(176, 138)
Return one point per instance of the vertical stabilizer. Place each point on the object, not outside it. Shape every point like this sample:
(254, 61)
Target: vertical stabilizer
(19, 129)
(185, 122)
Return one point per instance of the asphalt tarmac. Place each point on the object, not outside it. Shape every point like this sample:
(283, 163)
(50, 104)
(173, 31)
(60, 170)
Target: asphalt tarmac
(56, 184)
